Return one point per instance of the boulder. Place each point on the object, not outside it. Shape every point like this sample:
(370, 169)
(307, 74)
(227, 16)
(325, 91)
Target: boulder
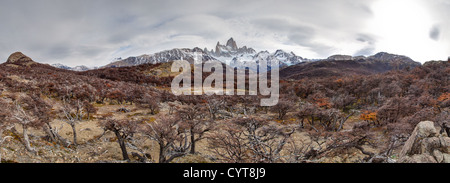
(446, 158)
(418, 158)
(438, 156)
(423, 130)
(425, 146)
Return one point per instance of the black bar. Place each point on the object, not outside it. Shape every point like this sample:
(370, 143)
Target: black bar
(228, 172)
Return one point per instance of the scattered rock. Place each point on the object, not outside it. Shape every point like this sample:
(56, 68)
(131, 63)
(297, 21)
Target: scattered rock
(378, 159)
(418, 158)
(124, 110)
(381, 159)
(446, 158)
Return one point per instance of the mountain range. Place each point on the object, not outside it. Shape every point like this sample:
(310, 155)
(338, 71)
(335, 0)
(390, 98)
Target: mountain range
(76, 68)
(292, 66)
(229, 54)
(341, 65)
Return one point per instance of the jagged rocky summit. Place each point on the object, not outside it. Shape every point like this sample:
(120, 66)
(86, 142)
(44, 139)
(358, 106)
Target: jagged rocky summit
(229, 54)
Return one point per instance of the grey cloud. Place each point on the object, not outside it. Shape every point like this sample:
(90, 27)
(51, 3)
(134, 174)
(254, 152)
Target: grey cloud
(295, 31)
(60, 51)
(81, 31)
(306, 39)
(281, 24)
(365, 51)
(435, 32)
(365, 38)
(370, 41)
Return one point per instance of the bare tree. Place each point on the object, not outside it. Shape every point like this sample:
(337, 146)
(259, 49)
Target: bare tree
(231, 103)
(214, 104)
(248, 103)
(283, 107)
(229, 143)
(265, 140)
(24, 113)
(123, 129)
(250, 140)
(343, 101)
(44, 113)
(194, 122)
(73, 113)
(89, 109)
(134, 93)
(333, 119)
(329, 119)
(150, 102)
(5, 124)
(307, 111)
(172, 141)
(323, 143)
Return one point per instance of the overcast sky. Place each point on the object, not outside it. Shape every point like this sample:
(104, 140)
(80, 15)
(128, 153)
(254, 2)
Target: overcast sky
(93, 32)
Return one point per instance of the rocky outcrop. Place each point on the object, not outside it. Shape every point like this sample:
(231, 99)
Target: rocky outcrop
(425, 145)
(231, 49)
(340, 57)
(232, 44)
(18, 57)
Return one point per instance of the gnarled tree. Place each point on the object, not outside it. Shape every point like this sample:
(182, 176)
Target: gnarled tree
(250, 140)
(172, 141)
(25, 113)
(123, 129)
(195, 123)
(73, 113)
(5, 124)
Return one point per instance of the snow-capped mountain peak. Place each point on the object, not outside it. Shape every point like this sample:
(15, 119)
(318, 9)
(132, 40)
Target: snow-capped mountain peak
(234, 56)
(229, 54)
(190, 55)
(77, 68)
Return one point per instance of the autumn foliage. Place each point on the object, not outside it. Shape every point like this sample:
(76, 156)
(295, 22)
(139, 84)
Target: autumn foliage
(368, 116)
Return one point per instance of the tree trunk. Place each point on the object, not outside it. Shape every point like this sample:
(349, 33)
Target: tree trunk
(1, 142)
(213, 114)
(280, 115)
(446, 127)
(74, 134)
(55, 136)
(192, 143)
(162, 158)
(27, 140)
(48, 129)
(122, 145)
